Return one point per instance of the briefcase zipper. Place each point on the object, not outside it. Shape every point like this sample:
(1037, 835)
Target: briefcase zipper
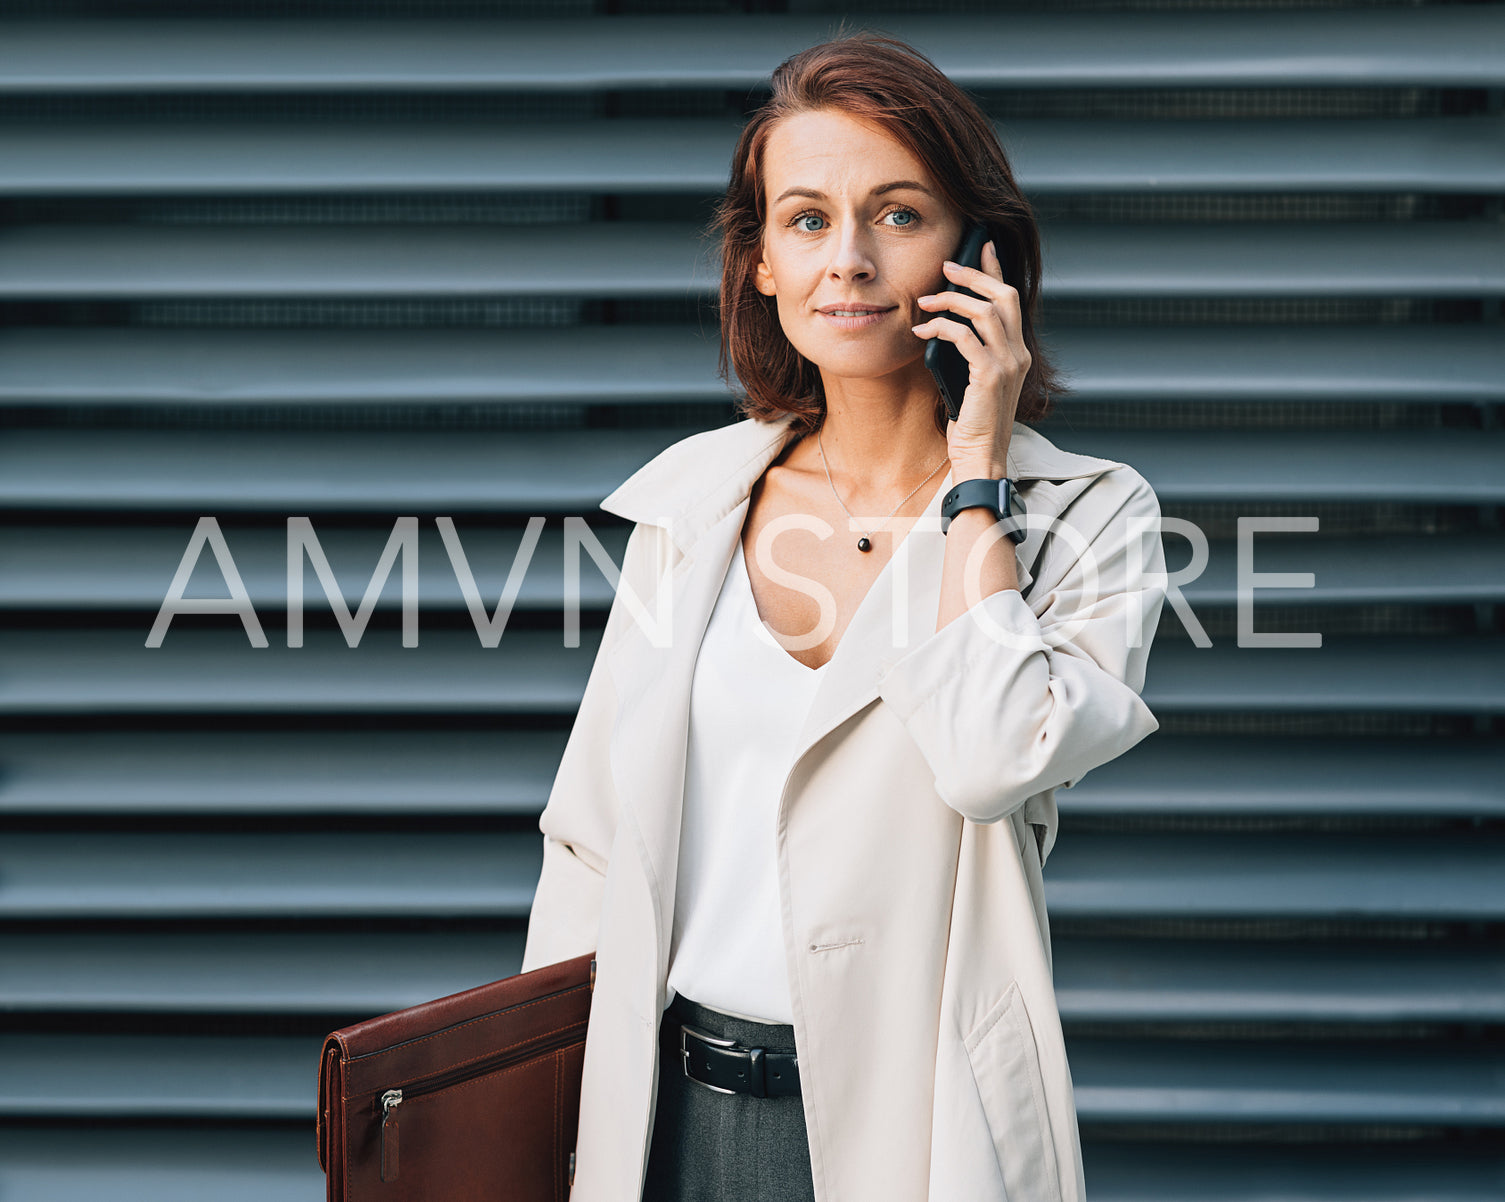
(391, 1099)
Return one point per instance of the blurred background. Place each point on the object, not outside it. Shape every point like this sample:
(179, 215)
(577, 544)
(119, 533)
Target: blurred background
(358, 261)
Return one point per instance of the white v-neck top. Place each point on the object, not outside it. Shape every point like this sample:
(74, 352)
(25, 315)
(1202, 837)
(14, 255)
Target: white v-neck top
(748, 700)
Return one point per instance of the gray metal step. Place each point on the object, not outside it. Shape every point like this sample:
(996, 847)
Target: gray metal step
(500, 772)
(659, 259)
(145, 262)
(1096, 980)
(173, 875)
(70, 566)
(1273, 260)
(1436, 47)
(431, 367)
(457, 472)
(1400, 1170)
(1436, 466)
(1422, 1084)
(265, 1077)
(1456, 154)
(1295, 778)
(97, 568)
(218, 472)
(1451, 674)
(1318, 981)
(1445, 570)
(1316, 363)
(207, 665)
(1434, 876)
(175, 1162)
(187, 1163)
(292, 972)
(653, 364)
(73, 1076)
(301, 773)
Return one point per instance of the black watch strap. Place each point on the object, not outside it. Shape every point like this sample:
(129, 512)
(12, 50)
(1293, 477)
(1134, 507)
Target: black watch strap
(996, 495)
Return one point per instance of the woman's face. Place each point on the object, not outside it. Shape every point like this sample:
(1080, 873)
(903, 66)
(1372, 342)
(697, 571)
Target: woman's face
(853, 219)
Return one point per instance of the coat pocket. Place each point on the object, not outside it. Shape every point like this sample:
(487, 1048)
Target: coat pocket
(1006, 1069)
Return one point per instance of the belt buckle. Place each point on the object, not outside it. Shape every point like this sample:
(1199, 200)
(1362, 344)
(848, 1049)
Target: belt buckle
(684, 1052)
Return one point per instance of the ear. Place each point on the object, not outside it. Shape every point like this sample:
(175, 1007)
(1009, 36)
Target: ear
(763, 279)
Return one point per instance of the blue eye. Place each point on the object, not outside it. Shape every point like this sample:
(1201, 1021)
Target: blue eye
(909, 215)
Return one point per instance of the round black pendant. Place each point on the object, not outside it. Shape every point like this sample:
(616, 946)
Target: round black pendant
(863, 544)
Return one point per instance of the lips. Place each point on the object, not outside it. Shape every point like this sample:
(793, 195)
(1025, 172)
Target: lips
(860, 317)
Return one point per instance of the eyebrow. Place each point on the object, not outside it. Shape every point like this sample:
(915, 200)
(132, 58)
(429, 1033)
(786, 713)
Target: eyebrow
(893, 185)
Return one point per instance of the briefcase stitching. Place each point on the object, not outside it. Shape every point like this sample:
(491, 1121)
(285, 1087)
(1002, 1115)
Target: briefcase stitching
(410, 1043)
(558, 1119)
(501, 1072)
(473, 1081)
(482, 1056)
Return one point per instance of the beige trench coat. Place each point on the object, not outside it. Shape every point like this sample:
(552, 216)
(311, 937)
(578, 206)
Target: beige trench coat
(911, 832)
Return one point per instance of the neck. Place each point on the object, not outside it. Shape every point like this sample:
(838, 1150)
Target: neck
(880, 445)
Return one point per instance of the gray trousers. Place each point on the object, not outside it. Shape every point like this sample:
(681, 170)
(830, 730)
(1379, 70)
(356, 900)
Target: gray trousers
(724, 1147)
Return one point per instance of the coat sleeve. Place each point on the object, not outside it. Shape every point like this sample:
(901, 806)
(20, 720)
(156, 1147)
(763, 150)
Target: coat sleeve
(1014, 698)
(579, 821)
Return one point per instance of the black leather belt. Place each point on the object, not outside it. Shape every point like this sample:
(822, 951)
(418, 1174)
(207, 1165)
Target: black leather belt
(730, 1067)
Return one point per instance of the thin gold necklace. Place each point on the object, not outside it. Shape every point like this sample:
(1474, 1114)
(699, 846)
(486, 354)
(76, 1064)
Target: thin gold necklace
(865, 543)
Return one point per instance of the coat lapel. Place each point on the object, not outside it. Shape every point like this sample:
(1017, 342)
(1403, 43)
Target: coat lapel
(701, 499)
(651, 735)
(699, 491)
(897, 614)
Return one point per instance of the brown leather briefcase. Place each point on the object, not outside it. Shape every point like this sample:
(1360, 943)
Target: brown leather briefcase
(471, 1096)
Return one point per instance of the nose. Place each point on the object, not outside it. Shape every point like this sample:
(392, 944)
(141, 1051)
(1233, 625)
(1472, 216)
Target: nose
(851, 257)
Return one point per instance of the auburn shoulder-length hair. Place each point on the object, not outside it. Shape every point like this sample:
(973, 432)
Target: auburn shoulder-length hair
(885, 81)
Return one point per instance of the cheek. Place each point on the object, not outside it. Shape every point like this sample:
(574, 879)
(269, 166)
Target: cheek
(797, 270)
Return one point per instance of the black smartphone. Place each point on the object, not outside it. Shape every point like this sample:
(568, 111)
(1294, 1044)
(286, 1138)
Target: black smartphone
(947, 364)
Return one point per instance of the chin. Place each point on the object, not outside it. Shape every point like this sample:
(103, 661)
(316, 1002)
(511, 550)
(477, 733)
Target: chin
(858, 358)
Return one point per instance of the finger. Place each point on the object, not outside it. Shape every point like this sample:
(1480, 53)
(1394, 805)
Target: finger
(992, 289)
(990, 262)
(981, 282)
(979, 357)
(1004, 296)
(971, 307)
(984, 315)
(966, 341)
(986, 286)
(991, 317)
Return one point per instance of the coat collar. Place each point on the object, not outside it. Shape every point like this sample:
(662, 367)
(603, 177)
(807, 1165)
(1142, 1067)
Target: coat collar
(695, 483)
(699, 490)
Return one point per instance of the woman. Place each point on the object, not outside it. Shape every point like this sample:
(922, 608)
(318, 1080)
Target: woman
(803, 811)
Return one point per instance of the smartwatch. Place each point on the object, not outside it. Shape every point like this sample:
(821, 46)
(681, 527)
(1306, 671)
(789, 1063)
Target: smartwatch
(997, 495)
